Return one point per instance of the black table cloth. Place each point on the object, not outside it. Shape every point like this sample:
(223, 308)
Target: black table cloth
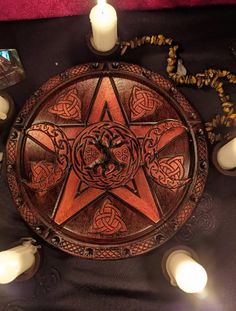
(67, 283)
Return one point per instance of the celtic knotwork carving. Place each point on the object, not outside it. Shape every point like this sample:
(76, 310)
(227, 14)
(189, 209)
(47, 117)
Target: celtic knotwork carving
(143, 103)
(46, 174)
(159, 136)
(68, 106)
(106, 155)
(169, 172)
(166, 171)
(107, 220)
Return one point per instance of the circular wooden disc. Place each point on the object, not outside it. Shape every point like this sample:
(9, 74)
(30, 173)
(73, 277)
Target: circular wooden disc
(107, 161)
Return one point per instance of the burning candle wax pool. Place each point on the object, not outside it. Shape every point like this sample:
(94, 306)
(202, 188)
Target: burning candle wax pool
(104, 26)
(4, 108)
(226, 156)
(15, 261)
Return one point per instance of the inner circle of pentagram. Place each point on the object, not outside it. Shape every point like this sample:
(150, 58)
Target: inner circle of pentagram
(107, 161)
(106, 155)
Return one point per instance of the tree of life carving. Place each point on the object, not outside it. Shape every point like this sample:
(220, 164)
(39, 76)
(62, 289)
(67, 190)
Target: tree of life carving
(107, 153)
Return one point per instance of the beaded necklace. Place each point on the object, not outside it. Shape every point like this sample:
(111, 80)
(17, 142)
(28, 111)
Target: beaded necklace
(213, 78)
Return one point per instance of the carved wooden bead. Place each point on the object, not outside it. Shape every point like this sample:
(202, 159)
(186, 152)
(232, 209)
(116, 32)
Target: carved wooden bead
(227, 104)
(234, 120)
(170, 61)
(187, 80)
(199, 82)
(222, 120)
(169, 41)
(172, 75)
(193, 80)
(123, 50)
(231, 112)
(220, 91)
(225, 73)
(226, 109)
(207, 82)
(219, 86)
(228, 123)
(211, 74)
(233, 79)
(156, 40)
(170, 68)
(181, 79)
(208, 129)
(161, 37)
(172, 53)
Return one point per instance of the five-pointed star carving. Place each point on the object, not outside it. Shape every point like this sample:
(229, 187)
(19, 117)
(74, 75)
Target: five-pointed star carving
(76, 195)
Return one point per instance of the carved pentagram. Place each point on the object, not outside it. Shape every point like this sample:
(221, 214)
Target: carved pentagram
(107, 161)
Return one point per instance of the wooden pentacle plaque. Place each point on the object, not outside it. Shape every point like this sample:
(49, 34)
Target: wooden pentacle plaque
(107, 161)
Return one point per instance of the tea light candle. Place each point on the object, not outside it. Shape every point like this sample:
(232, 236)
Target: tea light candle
(104, 26)
(4, 108)
(185, 272)
(17, 260)
(226, 156)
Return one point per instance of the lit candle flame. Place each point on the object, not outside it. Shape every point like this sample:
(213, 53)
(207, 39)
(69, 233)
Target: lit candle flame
(103, 18)
(102, 2)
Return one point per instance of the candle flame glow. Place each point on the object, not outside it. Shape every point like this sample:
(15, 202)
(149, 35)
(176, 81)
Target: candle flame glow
(102, 2)
(191, 277)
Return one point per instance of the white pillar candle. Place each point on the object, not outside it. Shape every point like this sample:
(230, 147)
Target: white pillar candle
(4, 108)
(226, 156)
(15, 261)
(185, 272)
(104, 26)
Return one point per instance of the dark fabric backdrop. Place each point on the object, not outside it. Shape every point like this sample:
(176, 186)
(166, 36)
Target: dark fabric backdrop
(28, 9)
(67, 283)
